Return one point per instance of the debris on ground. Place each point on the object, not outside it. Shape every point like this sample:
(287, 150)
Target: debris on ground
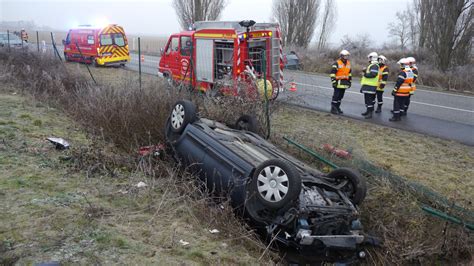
(141, 184)
(214, 231)
(60, 143)
(184, 243)
(336, 151)
(155, 150)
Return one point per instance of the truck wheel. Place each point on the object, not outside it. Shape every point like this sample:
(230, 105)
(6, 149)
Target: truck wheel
(355, 188)
(276, 183)
(183, 113)
(247, 122)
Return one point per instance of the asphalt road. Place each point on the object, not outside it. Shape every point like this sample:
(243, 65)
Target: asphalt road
(444, 115)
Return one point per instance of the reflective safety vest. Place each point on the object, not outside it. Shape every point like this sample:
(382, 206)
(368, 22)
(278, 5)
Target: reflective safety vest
(382, 72)
(343, 70)
(413, 86)
(406, 86)
(374, 82)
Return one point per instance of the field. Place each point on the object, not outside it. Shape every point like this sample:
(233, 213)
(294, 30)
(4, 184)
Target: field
(54, 208)
(83, 206)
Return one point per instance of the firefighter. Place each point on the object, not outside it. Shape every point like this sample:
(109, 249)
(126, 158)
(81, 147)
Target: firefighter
(370, 83)
(383, 77)
(402, 89)
(414, 68)
(341, 77)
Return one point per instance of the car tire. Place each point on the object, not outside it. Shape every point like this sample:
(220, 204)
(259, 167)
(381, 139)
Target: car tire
(356, 187)
(183, 113)
(276, 183)
(247, 122)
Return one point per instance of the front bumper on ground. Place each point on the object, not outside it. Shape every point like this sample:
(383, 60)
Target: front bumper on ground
(331, 241)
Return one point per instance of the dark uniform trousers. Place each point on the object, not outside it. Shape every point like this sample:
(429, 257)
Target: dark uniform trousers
(399, 103)
(369, 96)
(337, 97)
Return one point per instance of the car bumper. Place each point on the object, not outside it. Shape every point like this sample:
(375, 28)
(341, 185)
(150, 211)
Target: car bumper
(105, 61)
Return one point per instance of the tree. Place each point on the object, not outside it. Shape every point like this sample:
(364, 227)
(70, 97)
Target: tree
(190, 11)
(446, 28)
(297, 20)
(400, 29)
(328, 20)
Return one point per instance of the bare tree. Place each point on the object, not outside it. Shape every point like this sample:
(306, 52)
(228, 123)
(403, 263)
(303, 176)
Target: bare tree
(297, 20)
(358, 46)
(446, 28)
(190, 11)
(400, 29)
(327, 23)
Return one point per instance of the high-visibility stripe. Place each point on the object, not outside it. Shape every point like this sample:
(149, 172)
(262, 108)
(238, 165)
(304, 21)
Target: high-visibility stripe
(215, 35)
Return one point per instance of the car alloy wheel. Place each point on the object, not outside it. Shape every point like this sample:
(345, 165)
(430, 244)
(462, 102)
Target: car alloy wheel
(177, 116)
(272, 183)
(275, 183)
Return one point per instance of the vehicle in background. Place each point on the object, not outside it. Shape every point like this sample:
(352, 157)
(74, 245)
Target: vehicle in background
(292, 61)
(313, 215)
(101, 46)
(15, 41)
(217, 55)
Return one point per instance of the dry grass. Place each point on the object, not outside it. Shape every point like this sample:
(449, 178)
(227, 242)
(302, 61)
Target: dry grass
(118, 220)
(391, 213)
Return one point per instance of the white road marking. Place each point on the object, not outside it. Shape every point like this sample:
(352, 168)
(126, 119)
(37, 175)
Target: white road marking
(389, 98)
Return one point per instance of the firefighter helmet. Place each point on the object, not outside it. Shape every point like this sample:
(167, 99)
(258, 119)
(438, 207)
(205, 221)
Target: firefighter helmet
(404, 62)
(382, 59)
(411, 60)
(344, 52)
(372, 56)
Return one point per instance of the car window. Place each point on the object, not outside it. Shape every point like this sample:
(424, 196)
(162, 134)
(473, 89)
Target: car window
(106, 39)
(90, 39)
(3, 36)
(186, 45)
(173, 45)
(118, 39)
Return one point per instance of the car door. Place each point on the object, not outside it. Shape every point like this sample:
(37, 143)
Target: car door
(185, 50)
(172, 56)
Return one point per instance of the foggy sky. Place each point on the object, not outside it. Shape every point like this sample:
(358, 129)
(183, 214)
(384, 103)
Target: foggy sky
(157, 17)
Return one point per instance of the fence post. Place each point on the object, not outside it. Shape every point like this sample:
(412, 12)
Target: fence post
(37, 41)
(55, 50)
(8, 40)
(139, 63)
(267, 102)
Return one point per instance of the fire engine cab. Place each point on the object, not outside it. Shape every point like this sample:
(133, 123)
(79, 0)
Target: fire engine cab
(219, 55)
(99, 45)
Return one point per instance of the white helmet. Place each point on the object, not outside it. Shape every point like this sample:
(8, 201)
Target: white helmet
(382, 59)
(344, 52)
(404, 62)
(372, 56)
(411, 60)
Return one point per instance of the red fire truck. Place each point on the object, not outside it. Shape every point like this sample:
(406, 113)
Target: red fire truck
(218, 56)
(99, 45)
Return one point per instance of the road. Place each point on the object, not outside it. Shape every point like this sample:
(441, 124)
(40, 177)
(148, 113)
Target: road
(444, 115)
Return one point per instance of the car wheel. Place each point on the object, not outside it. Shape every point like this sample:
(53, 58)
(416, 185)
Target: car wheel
(276, 183)
(183, 113)
(355, 186)
(247, 122)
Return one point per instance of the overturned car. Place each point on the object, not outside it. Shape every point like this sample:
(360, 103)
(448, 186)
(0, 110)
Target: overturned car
(309, 212)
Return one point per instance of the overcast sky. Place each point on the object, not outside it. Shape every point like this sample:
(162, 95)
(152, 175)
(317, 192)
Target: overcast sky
(157, 17)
